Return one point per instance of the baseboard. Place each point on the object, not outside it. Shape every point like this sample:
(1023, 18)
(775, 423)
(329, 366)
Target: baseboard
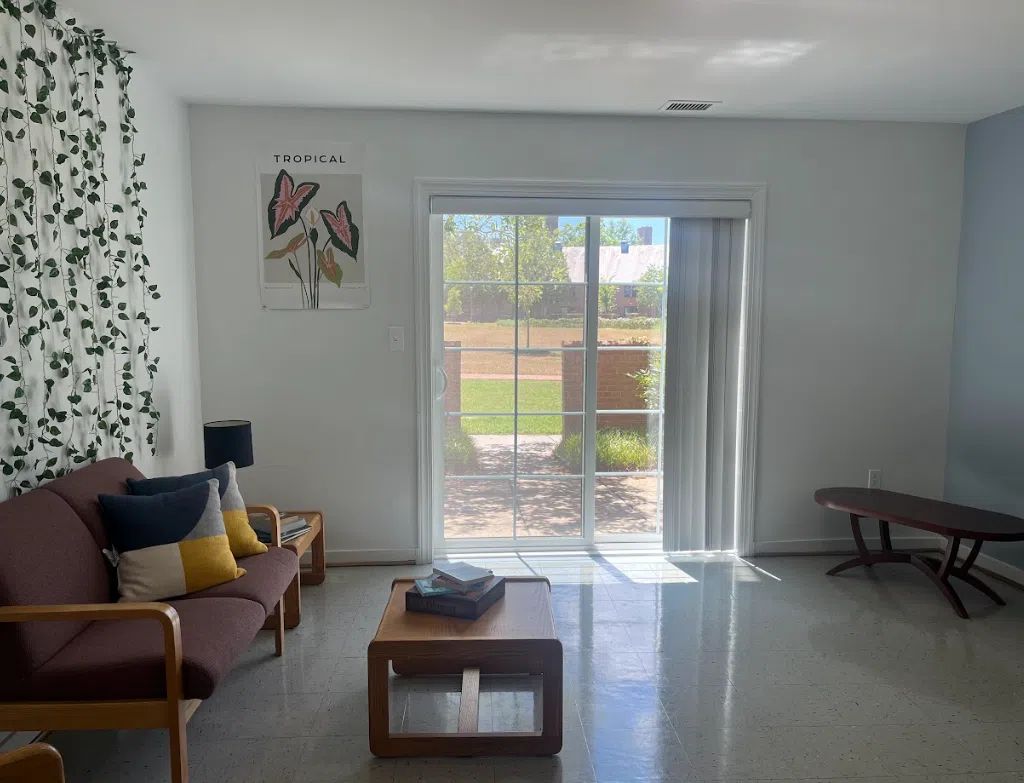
(840, 546)
(994, 567)
(343, 557)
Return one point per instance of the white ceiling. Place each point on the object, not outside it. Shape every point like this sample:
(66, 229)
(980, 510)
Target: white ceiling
(936, 60)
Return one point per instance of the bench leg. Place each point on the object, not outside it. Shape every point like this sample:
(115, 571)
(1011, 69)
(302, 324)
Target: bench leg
(938, 571)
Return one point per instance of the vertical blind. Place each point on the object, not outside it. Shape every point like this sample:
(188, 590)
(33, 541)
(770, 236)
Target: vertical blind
(702, 382)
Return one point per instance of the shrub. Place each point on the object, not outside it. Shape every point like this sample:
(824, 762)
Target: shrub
(459, 451)
(649, 381)
(616, 450)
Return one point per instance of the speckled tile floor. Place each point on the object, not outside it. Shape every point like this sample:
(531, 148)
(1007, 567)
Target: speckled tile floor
(696, 669)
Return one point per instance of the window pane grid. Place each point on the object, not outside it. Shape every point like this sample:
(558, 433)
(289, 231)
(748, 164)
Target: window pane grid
(512, 414)
(506, 311)
(522, 476)
(513, 283)
(509, 351)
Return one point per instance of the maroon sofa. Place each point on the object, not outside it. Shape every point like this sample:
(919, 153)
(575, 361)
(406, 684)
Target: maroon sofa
(72, 657)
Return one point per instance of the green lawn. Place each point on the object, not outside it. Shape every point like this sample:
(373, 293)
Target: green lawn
(497, 396)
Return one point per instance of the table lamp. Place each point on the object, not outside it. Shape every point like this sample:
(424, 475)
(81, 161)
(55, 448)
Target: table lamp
(228, 441)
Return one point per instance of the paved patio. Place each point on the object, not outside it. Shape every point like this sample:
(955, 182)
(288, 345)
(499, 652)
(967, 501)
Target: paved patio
(482, 508)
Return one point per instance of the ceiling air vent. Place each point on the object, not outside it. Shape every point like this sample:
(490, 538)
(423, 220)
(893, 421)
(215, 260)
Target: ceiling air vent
(688, 105)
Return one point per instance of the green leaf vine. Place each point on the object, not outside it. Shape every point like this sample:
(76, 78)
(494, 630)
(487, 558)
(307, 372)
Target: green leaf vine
(76, 371)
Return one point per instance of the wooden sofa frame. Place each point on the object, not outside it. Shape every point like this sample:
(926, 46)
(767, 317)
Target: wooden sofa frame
(171, 713)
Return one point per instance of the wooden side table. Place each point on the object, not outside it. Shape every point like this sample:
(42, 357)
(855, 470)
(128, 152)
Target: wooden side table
(314, 541)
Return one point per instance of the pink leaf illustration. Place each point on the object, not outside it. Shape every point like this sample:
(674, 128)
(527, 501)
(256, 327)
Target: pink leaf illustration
(287, 203)
(344, 233)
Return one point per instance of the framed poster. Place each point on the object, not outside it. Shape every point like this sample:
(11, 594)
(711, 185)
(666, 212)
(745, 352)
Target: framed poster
(312, 240)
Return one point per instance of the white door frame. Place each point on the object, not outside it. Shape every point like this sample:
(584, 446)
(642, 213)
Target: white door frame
(750, 347)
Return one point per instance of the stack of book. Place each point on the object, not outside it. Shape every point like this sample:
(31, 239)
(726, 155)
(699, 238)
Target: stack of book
(292, 527)
(456, 590)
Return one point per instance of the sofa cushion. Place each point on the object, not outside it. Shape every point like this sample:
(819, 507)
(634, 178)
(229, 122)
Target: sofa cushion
(169, 544)
(266, 578)
(47, 556)
(236, 521)
(81, 488)
(124, 659)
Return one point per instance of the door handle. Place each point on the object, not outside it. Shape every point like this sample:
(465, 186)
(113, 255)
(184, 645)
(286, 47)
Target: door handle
(444, 384)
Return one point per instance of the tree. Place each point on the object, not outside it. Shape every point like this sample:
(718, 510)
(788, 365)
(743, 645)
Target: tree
(528, 240)
(606, 298)
(613, 232)
(468, 255)
(573, 234)
(649, 298)
(486, 249)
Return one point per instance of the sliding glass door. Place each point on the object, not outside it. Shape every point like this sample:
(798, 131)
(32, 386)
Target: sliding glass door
(551, 353)
(586, 361)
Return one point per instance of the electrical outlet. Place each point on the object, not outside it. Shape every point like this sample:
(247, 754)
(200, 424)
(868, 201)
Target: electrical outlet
(875, 478)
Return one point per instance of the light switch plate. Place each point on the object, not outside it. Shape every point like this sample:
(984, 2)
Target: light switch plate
(396, 338)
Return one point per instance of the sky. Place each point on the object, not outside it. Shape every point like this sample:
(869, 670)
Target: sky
(657, 223)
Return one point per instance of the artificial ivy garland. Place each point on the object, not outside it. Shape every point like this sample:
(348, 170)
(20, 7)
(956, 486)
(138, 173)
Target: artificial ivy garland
(76, 374)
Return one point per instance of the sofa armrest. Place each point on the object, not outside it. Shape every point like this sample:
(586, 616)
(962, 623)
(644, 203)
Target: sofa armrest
(275, 518)
(165, 614)
(39, 762)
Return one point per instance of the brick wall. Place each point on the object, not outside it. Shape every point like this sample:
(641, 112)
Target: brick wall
(616, 390)
(453, 394)
(572, 387)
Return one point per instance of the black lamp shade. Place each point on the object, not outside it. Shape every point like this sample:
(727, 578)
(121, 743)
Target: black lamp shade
(228, 441)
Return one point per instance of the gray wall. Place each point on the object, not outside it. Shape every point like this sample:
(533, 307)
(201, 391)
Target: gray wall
(985, 463)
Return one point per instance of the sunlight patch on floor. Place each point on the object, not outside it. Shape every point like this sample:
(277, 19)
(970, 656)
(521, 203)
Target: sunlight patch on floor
(625, 567)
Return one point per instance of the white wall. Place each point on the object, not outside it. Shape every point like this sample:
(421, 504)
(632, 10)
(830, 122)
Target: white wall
(860, 271)
(162, 122)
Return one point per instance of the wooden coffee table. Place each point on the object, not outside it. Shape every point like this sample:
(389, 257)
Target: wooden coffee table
(953, 521)
(515, 636)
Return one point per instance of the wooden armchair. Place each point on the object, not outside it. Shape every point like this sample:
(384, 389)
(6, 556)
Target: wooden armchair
(37, 763)
(171, 713)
